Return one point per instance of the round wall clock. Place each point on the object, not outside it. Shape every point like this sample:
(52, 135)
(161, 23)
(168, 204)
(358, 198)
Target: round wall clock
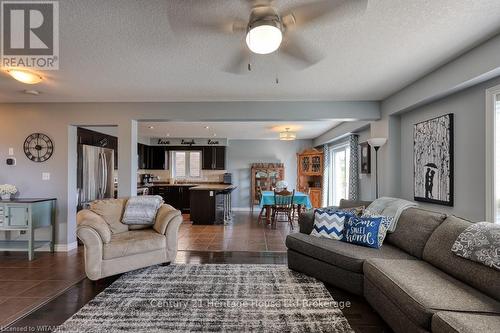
(38, 147)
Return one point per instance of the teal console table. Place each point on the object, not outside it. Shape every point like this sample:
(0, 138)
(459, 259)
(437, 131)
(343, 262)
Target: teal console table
(27, 215)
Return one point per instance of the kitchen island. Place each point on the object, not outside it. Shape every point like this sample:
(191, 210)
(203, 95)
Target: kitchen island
(211, 203)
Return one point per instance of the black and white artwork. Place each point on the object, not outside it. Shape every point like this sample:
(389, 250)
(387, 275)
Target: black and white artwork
(433, 160)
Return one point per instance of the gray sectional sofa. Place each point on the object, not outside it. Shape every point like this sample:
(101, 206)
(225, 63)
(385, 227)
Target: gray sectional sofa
(413, 281)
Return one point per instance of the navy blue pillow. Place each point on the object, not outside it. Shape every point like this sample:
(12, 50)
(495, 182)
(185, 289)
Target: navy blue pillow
(365, 231)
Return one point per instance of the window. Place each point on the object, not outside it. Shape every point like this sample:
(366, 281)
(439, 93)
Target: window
(497, 159)
(186, 164)
(338, 177)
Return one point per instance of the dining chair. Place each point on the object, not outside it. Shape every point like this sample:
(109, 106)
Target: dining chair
(283, 203)
(259, 197)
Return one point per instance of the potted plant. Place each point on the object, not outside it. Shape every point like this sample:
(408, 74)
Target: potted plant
(7, 191)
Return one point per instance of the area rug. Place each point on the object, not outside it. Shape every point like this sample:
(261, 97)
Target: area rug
(211, 298)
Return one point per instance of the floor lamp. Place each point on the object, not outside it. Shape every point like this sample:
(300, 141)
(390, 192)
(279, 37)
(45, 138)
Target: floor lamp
(376, 143)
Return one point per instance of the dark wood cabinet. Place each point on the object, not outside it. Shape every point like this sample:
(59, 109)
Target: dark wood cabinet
(151, 157)
(214, 158)
(175, 195)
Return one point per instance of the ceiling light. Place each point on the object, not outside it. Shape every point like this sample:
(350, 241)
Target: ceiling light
(32, 92)
(25, 76)
(264, 37)
(215, 134)
(151, 127)
(207, 127)
(287, 135)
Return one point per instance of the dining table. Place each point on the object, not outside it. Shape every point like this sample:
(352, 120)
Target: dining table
(300, 199)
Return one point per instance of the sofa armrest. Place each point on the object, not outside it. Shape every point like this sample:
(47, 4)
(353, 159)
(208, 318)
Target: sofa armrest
(306, 220)
(88, 219)
(165, 215)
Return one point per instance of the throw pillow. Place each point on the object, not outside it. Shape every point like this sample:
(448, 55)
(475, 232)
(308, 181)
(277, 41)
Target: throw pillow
(329, 223)
(142, 209)
(356, 211)
(365, 231)
(480, 243)
(386, 220)
(111, 210)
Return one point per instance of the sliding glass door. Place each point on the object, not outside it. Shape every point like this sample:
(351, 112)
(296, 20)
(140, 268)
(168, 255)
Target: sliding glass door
(338, 178)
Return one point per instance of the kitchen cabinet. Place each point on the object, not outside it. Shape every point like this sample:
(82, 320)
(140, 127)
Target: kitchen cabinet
(151, 157)
(176, 196)
(214, 158)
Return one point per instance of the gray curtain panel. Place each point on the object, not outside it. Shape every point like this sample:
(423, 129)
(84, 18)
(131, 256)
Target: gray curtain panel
(354, 167)
(326, 167)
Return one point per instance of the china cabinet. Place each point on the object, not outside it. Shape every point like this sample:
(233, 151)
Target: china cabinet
(310, 175)
(264, 178)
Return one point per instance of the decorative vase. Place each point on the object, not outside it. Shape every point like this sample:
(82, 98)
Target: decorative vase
(6, 196)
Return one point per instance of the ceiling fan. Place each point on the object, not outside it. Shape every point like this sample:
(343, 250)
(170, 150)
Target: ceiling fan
(268, 29)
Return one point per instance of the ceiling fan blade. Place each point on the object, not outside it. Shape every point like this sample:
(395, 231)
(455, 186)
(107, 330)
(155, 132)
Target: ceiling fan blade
(306, 13)
(239, 63)
(233, 26)
(258, 3)
(295, 48)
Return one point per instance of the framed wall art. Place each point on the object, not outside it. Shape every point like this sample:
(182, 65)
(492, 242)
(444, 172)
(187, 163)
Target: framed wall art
(433, 160)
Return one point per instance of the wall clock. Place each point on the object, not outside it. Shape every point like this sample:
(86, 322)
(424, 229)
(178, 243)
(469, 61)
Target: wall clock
(38, 147)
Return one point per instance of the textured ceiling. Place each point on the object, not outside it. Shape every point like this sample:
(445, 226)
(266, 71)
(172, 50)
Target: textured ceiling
(234, 130)
(125, 50)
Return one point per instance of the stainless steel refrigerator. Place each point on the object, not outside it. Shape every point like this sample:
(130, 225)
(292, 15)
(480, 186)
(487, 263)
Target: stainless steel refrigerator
(95, 174)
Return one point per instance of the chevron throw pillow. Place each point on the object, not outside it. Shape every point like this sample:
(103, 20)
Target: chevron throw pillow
(329, 223)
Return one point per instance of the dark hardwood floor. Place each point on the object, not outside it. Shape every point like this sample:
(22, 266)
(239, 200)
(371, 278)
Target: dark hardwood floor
(44, 319)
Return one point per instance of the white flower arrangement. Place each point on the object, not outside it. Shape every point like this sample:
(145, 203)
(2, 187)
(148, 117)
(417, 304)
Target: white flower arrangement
(7, 189)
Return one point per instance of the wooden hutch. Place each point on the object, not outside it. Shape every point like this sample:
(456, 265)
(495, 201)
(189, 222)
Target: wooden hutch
(264, 177)
(310, 175)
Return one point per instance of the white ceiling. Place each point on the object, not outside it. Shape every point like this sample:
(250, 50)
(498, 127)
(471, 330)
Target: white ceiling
(125, 50)
(234, 130)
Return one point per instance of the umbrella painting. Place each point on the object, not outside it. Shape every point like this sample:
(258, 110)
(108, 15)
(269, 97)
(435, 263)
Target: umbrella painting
(433, 160)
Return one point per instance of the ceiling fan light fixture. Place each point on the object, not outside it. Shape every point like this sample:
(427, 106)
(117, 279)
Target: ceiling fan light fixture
(264, 37)
(287, 135)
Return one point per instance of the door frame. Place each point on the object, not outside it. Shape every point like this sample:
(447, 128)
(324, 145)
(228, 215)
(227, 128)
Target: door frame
(490, 178)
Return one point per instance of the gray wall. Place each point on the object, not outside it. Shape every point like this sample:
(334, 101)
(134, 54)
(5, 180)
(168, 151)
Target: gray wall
(468, 108)
(242, 153)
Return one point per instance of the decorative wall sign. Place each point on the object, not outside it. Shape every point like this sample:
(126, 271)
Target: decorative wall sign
(192, 142)
(365, 158)
(38, 147)
(433, 160)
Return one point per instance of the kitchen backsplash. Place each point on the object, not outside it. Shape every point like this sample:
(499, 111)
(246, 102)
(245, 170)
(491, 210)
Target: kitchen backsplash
(206, 175)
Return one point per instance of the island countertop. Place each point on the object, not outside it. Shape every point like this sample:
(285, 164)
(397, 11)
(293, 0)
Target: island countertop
(213, 187)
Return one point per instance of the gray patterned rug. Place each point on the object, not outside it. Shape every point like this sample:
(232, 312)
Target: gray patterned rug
(211, 298)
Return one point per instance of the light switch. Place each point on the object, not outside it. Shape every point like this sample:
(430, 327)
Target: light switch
(45, 175)
(11, 151)
(211, 193)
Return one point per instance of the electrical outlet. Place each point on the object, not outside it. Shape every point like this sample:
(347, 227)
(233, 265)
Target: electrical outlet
(45, 175)
(11, 151)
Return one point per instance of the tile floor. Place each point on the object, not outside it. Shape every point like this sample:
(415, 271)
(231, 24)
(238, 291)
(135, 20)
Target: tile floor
(243, 234)
(25, 285)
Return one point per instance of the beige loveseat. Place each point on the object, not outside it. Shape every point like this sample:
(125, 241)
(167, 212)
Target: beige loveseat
(112, 247)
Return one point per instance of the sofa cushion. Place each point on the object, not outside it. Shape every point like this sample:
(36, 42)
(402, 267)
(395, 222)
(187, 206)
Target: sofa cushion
(111, 210)
(437, 252)
(345, 255)
(455, 322)
(415, 226)
(353, 203)
(420, 290)
(133, 242)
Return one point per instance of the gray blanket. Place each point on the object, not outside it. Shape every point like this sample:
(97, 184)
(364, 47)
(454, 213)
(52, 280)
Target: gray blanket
(392, 207)
(142, 209)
